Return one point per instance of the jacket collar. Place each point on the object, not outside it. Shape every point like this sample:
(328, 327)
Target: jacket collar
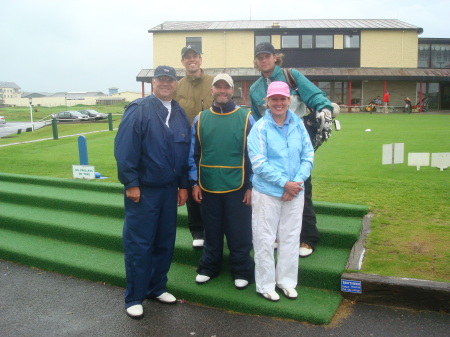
(230, 106)
(274, 74)
(291, 117)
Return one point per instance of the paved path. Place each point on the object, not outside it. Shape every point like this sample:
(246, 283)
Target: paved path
(11, 127)
(40, 303)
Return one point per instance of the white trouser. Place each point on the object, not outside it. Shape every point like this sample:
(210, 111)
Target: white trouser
(273, 219)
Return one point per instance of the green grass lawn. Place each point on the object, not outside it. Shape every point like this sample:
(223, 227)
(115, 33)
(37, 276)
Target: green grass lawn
(410, 228)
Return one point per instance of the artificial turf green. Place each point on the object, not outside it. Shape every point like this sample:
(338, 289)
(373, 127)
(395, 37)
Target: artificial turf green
(74, 228)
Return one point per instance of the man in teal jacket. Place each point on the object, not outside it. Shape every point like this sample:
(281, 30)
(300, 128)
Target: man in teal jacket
(269, 63)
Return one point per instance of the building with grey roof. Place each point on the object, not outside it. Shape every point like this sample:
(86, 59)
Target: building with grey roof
(352, 61)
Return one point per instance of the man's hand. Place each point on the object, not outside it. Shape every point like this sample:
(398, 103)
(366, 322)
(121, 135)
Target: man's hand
(247, 198)
(182, 196)
(133, 193)
(197, 194)
(293, 187)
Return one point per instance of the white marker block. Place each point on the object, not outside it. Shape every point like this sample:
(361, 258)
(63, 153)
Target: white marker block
(418, 159)
(440, 160)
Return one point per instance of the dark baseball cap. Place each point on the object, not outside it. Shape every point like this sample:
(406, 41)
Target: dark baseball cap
(264, 47)
(188, 48)
(165, 71)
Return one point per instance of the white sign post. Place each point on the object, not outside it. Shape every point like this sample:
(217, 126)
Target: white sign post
(393, 154)
(83, 172)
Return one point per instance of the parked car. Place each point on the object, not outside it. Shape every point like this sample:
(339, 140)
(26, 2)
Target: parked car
(71, 116)
(2, 120)
(93, 114)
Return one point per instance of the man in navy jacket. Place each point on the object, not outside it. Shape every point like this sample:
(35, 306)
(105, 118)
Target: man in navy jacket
(151, 150)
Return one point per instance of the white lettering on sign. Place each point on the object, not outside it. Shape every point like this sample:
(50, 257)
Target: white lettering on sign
(349, 286)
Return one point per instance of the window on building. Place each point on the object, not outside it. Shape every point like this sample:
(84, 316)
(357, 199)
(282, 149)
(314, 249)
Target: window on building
(195, 42)
(430, 91)
(357, 92)
(440, 56)
(261, 38)
(324, 41)
(325, 87)
(337, 91)
(351, 41)
(290, 41)
(434, 55)
(424, 56)
(307, 41)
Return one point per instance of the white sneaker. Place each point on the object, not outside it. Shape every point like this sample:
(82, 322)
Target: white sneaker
(167, 298)
(290, 293)
(200, 279)
(240, 284)
(198, 243)
(272, 296)
(135, 311)
(305, 250)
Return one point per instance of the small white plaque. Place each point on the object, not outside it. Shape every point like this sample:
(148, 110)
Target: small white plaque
(83, 172)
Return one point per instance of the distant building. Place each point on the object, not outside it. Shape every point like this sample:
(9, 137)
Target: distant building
(352, 61)
(9, 90)
(129, 96)
(35, 94)
(113, 91)
(56, 99)
(77, 95)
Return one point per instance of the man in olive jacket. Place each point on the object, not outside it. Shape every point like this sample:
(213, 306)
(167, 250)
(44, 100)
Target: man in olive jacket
(194, 95)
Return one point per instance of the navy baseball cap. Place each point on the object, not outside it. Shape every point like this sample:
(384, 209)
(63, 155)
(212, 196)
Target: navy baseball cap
(188, 48)
(165, 71)
(264, 47)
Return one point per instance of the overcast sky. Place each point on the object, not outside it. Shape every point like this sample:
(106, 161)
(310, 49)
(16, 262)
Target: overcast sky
(92, 45)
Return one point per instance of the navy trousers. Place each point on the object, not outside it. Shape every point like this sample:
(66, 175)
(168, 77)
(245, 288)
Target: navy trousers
(310, 234)
(148, 241)
(195, 221)
(226, 214)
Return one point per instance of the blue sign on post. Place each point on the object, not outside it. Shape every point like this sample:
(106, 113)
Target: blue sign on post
(351, 286)
(82, 150)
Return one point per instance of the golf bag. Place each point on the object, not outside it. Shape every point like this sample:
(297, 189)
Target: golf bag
(317, 123)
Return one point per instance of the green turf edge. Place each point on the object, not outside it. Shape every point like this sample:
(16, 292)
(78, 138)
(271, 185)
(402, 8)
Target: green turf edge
(108, 267)
(88, 185)
(313, 305)
(323, 207)
(320, 206)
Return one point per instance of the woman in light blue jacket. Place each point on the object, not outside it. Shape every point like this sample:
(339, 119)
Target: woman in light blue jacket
(282, 155)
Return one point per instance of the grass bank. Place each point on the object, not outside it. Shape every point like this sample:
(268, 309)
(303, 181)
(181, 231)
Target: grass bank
(410, 228)
(20, 114)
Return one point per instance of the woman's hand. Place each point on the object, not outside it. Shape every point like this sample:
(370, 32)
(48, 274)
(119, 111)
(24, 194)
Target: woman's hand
(287, 197)
(293, 187)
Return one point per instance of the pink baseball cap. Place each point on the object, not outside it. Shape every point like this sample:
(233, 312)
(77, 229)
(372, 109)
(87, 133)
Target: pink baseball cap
(278, 88)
